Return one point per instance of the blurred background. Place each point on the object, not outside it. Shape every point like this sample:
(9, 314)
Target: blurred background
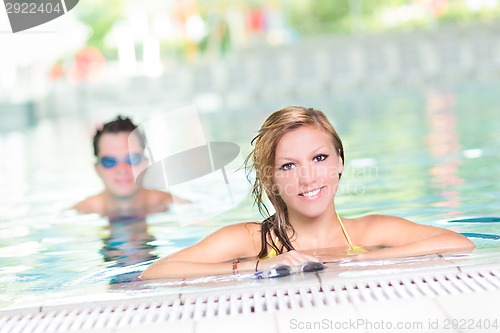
(236, 61)
(224, 53)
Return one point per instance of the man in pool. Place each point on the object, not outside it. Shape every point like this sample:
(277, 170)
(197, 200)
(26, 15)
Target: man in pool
(117, 159)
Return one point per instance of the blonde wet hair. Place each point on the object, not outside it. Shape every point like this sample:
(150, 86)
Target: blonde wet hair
(262, 160)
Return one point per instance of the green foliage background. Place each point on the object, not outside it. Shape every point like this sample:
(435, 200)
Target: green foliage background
(307, 17)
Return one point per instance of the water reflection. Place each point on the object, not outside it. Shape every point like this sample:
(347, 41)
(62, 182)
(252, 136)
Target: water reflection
(444, 146)
(127, 243)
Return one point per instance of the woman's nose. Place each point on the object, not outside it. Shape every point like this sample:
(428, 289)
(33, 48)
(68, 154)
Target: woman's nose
(307, 174)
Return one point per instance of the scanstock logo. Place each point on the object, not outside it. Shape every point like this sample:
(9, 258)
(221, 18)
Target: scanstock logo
(28, 14)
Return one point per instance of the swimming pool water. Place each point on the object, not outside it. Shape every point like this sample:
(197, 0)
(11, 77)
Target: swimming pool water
(430, 155)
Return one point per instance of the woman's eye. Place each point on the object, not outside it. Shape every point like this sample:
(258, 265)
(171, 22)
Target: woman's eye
(286, 166)
(320, 158)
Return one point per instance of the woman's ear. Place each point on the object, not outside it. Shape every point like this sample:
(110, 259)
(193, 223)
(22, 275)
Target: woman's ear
(340, 165)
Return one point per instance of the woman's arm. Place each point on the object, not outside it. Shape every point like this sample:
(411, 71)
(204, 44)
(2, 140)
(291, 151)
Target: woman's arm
(215, 255)
(403, 238)
(212, 255)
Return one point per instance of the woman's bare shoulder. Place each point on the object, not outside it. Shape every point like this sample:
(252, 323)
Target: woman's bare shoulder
(369, 228)
(390, 230)
(248, 233)
(241, 228)
(376, 220)
(232, 241)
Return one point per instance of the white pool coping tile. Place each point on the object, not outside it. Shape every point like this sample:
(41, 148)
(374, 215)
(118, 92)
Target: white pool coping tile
(337, 318)
(179, 326)
(410, 291)
(473, 312)
(408, 315)
(240, 324)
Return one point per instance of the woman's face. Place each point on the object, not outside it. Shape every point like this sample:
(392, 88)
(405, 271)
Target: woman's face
(306, 171)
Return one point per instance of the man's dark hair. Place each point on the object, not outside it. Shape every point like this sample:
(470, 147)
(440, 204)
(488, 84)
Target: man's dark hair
(118, 125)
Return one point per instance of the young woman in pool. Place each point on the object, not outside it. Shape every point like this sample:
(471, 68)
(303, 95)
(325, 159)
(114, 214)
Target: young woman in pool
(298, 158)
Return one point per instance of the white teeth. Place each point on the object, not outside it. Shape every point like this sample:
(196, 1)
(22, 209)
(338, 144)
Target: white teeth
(312, 193)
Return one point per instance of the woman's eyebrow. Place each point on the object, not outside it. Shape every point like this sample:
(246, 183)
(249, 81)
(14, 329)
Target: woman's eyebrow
(291, 159)
(321, 147)
(280, 160)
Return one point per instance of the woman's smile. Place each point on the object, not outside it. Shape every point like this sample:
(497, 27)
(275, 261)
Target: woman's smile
(312, 195)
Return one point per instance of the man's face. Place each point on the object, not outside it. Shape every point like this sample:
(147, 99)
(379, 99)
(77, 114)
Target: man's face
(118, 178)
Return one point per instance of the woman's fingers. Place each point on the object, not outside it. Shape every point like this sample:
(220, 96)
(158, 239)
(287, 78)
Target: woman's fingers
(297, 258)
(311, 258)
(291, 258)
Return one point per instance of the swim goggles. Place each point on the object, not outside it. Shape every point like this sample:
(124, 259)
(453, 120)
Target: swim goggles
(109, 162)
(277, 271)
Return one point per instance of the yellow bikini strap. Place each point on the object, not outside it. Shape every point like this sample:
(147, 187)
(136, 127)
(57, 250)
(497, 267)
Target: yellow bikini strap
(354, 248)
(344, 231)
